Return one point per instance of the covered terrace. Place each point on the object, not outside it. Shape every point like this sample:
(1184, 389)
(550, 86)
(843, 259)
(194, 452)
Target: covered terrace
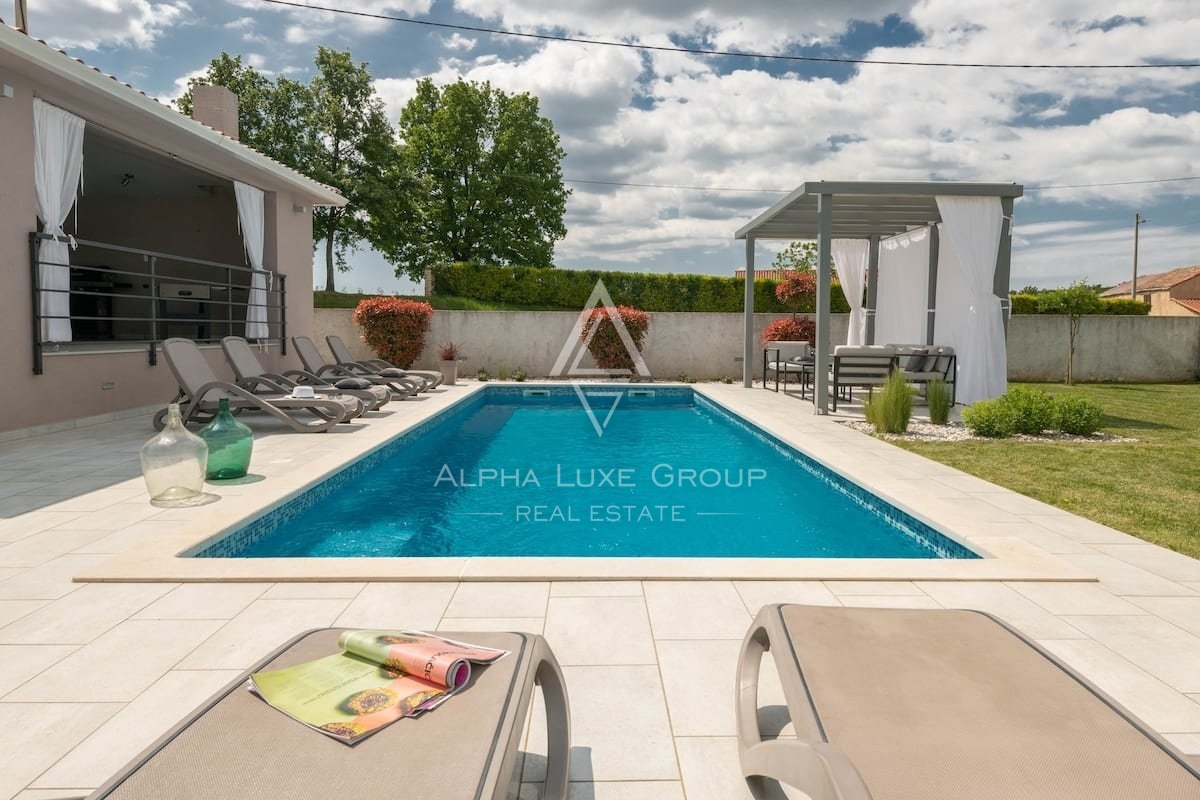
(946, 250)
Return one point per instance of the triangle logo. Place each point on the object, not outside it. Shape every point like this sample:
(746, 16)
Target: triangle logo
(587, 406)
(573, 347)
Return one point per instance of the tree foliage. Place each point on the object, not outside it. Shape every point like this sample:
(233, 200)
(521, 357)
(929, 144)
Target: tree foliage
(798, 291)
(332, 129)
(478, 180)
(1073, 302)
(797, 256)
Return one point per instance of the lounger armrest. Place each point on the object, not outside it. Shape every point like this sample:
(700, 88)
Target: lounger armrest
(818, 769)
(302, 376)
(264, 381)
(549, 677)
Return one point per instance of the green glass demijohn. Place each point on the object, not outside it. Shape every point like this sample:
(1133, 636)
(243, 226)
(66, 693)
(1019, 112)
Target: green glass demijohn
(229, 445)
(173, 463)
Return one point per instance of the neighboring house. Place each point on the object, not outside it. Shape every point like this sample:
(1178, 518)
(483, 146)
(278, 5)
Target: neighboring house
(1170, 294)
(181, 231)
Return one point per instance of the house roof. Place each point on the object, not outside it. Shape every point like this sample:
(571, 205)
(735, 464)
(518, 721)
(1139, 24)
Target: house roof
(103, 100)
(1191, 304)
(861, 209)
(1156, 282)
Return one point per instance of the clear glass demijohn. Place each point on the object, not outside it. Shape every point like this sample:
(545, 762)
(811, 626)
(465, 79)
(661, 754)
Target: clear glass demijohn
(174, 463)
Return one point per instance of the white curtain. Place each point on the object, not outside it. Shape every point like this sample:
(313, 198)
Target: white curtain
(850, 257)
(252, 216)
(57, 168)
(971, 231)
(902, 292)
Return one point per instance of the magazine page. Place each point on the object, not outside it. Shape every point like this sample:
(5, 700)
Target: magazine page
(348, 696)
(440, 661)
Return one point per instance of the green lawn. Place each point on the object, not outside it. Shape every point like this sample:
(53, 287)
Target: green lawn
(1150, 488)
(323, 299)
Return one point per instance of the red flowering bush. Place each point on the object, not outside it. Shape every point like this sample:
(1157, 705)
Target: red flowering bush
(394, 328)
(795, 329)
(798, 291)
(606, 346)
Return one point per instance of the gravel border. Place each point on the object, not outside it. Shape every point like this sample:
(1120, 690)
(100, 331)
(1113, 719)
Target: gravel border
(958, 432)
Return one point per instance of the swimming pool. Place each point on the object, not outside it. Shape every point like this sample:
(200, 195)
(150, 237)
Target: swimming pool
(516, 471)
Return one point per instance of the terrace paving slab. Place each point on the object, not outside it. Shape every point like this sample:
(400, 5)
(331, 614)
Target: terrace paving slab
(1119, 610)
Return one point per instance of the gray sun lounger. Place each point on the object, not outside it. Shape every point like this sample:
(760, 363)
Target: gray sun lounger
(311, 358)
(251, 375)
(940, 704)
(200, 391)
(237, 746)
(343, 356)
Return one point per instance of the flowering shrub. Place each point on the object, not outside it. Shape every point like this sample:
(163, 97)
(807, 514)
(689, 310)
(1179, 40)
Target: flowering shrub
(795, 329)
(798, 291)
(394, 328)
(606, 346)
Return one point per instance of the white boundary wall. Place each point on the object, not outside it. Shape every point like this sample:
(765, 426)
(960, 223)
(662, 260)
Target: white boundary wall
(709, 345)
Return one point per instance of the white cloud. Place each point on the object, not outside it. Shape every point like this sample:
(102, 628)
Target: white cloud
(456, 41)
(92, 24)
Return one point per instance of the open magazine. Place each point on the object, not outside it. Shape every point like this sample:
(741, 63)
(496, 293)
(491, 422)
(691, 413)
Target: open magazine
(379, 677)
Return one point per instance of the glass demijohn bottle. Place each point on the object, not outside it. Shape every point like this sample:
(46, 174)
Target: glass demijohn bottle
(173, 463)
(229, 444)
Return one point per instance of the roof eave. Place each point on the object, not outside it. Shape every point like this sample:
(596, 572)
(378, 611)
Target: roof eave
(47, 59)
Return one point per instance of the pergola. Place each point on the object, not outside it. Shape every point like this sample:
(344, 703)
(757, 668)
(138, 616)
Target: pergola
(873, 211)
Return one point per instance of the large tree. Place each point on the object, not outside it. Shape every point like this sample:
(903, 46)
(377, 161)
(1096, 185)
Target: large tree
(478, 179)
(332, 130)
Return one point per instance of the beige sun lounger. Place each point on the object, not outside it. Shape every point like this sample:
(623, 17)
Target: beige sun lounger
(940, 704)
(251, 375)
(237, 746)
(343, 356)
(311, 358)
(200, 390)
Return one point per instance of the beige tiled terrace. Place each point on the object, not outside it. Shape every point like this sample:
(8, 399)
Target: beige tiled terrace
(91, 672)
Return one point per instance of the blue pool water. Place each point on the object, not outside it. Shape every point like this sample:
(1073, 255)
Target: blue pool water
(522, 472)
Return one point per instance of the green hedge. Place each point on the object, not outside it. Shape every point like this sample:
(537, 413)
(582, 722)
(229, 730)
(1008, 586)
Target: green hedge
(571, 289)
(1120, 306)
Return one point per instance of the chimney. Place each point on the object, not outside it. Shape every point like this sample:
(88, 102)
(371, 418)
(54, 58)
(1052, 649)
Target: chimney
(216, 107)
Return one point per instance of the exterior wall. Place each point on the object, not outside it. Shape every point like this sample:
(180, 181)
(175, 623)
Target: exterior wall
(1161, 305)
(706, 345)
(701, 345)
(1106, 348)
(71, 386)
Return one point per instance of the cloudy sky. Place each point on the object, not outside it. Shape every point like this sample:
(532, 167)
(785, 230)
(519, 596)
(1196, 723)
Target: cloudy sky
(709, 142)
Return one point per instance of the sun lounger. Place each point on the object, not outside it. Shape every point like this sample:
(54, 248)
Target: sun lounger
(343, 356)
(311, 358)
(200, 390)
(940, 704)
(251, 375)
(237, 746)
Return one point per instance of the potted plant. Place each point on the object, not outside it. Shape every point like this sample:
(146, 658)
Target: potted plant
(449, 354)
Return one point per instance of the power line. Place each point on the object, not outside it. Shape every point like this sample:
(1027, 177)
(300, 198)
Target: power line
(727, 53)
(1113, 183)
(678, 186)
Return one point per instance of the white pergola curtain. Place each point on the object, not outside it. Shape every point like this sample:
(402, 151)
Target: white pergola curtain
(902, 293)
(850, 257)
(252, 217)
(57, 168)
(971, 229)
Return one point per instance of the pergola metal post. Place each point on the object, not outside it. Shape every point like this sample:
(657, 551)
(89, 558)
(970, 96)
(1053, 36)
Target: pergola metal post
(748, 359)
(1004, 259)
(931, 290)
(824, 264)
(872, 287)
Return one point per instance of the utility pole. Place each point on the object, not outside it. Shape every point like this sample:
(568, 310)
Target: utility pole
(21, 17)
(1138, 220)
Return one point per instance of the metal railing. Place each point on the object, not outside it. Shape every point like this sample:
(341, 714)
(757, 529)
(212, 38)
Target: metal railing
(171, 295)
